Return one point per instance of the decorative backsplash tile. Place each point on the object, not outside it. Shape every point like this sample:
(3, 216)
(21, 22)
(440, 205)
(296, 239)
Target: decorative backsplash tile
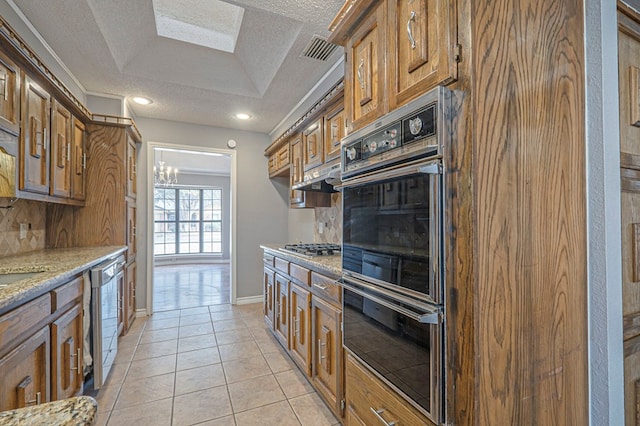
(31, 213)
(331, 220)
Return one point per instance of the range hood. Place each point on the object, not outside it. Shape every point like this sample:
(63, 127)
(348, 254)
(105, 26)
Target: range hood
(321, 178)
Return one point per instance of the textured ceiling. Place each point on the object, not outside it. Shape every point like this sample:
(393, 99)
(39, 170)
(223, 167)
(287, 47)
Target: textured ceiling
(113, 47)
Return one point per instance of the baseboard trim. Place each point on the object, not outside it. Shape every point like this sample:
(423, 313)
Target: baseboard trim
(248, 300)
(141, 313)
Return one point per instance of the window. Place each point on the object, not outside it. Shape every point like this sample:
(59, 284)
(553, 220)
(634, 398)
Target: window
(187, 221)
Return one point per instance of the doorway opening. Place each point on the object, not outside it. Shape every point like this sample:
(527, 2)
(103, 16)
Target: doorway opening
(191, 206)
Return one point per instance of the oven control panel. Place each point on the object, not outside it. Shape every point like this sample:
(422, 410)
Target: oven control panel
(396, 141)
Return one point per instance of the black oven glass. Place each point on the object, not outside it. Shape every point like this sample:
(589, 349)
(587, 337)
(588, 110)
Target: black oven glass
(387, 229)
(396, 346)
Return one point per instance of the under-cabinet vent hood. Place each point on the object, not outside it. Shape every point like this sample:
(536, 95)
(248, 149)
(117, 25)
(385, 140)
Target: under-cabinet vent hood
(321, 178)
(7, 174)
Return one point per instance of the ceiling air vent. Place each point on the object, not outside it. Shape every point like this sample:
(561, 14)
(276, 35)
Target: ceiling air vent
(319, 48)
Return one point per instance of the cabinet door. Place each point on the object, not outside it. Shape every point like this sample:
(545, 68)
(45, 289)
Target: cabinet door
(122, 288)
(422, 39)
(130, 296)
(34, 138)
(78, 161)
(9, 95)
(301, 327)
(327, 352)
(25, 373)
(282, 310)
(269, 297)
(131, 230)
(313, 146)
(131, 167)
(61, 139)
(297, 171)
(66, 355)
(333, 132)
(365, 71)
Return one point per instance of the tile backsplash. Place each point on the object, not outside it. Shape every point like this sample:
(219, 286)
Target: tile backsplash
(31, 213)
(331, 220)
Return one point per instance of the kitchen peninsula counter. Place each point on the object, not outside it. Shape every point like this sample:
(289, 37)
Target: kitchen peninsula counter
(327, 265)
(76, 411)
(52, 267)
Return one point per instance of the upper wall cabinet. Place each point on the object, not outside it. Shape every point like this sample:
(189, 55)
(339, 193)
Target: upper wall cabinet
(61, 140)
(34, 138)
(79, 163)
(421, 47)
(396, 50)
(9, 95)
(313, 145)
(365, 71)
(333, 131)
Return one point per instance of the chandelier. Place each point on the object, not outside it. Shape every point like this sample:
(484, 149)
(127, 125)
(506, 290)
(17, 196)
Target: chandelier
(164, 176)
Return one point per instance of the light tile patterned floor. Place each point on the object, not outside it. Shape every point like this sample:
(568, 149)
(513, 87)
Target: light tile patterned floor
(185, 286)
(215, 365)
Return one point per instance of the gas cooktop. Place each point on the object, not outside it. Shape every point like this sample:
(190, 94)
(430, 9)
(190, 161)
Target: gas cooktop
(312, 250)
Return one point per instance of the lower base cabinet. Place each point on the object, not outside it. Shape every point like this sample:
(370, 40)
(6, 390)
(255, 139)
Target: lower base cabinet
(66, 356)
(370, 402)
(130, 296)
(25, 373)
(328, 353)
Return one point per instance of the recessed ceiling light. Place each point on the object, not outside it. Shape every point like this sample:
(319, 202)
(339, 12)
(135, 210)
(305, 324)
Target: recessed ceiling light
(243, 116)
(142, 101)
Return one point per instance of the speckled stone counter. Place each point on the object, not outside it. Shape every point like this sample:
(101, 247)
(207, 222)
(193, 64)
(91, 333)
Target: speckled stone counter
(53, 267)
(328, 265)
(77, 411)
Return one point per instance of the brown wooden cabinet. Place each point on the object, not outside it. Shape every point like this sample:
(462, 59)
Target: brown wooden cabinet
(25, 372)
(269, 295)
(132, 168)
(327, 352)
(281, 324)
(300, 327)
(79, 160)
(9, 95)
(279, 162)
(334, 131)
(66, 354)
(297, 170)
(130, 295)
(369, 401)
(364, 81)
(131, 230)
(34, 138)
(313, 145)
(61, 144)
(421, 48)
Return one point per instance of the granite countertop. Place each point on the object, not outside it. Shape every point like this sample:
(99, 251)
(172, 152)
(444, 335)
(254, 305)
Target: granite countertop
(330, 265)
(76, 411)
(52, 266)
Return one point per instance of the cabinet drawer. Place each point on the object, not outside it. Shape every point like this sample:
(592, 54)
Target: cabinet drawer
(366, 394)
(326, 287)
(282, 265)
(64, 294)
(268, 259)
(15, 324)
(299, 273)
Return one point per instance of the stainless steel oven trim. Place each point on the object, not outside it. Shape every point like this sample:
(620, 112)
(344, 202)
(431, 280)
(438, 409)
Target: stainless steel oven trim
(429, 315)
(436, 384)
(352, 284)
(395, 289)
(432, 165)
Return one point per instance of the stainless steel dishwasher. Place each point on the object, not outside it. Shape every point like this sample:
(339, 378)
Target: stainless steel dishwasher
(104, 316)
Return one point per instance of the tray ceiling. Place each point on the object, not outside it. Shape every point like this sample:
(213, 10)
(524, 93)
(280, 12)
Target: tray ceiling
(201, 61)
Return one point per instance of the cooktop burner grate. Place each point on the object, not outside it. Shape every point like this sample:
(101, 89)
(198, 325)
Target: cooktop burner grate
(312, 249)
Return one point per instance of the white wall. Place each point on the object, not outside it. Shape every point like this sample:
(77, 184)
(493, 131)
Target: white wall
(261, 204)
(606, 372)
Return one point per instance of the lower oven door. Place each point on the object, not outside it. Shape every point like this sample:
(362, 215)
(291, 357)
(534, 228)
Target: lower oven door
(401, 340)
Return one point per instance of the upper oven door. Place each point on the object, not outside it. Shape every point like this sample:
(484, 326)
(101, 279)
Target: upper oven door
(392, 229)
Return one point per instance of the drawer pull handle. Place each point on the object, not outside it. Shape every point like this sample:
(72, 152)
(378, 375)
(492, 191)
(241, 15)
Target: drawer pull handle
(36, 401)
(320, 286)
(78, 361)
(378, 414)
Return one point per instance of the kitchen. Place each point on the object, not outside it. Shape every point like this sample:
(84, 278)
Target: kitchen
(532, 231)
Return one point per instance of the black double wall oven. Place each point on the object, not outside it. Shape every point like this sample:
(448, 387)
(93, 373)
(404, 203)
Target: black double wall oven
(392, 261)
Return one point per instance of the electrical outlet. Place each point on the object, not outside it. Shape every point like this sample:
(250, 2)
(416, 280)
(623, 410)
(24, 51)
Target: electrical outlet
(23, 230)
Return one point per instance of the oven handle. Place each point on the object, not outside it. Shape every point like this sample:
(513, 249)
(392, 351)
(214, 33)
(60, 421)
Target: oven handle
(433, 167)
(431, 316)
